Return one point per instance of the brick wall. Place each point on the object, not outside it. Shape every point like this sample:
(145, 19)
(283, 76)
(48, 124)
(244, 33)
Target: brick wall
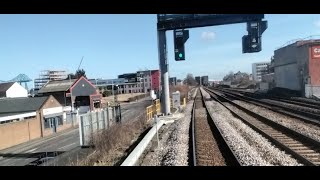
(19, 132)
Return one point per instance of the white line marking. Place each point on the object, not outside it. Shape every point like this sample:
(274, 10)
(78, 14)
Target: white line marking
(66, 146)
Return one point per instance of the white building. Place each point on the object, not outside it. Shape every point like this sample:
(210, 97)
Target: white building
(128, 88)
(258, 69)
(12, 89)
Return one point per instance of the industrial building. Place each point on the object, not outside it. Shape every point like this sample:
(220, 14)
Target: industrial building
(83, 93)
(173, 81)
(139, 82)
(297, 67)
(130, 77)
(12, 89)
(259, 69)
(198, 80)
(106, 82)
(179, 82)
(48, 75)
(204, 80)
(151, 80)
(26, 118)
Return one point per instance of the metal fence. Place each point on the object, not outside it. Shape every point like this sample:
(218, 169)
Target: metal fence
(71, 119)
(92, 122)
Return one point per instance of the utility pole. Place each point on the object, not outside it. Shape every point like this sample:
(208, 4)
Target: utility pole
(150, 79)
(164, 66)
(71, 95)
(112, 92)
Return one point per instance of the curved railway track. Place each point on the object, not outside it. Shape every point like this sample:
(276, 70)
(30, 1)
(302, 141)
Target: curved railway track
(301, 147)
(209, 147)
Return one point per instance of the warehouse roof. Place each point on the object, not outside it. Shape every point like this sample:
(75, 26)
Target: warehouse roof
(57, 86)
(23, 104)
(4, 87)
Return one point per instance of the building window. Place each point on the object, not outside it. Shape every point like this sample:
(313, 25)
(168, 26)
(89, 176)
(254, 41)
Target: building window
(47, 123)
(60, 120)
(129, 91)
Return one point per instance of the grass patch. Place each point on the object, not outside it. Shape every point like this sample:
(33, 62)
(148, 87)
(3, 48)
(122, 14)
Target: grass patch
(113, 145)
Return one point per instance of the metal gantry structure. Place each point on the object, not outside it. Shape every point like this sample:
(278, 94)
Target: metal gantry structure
(179, 22)
(22, 78)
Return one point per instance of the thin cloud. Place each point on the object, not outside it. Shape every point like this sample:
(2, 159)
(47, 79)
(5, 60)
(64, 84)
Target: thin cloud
(207, 35)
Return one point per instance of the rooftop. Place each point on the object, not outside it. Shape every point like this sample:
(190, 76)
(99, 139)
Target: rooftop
(57, 86)
(23, 104)
(4, 87)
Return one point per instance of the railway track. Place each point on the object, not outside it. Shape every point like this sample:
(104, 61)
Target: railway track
(309, 117)
(209, 148)
(301, 147)
(294, 101)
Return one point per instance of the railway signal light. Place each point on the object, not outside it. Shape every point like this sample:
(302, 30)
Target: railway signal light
(252, 42)
(180, 37)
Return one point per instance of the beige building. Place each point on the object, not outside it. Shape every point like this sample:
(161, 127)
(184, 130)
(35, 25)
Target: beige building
(27, 118)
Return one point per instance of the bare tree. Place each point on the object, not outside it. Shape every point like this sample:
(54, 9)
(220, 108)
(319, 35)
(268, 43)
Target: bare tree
(228, 77)
(189, 80)
(80, 72)
(238, 78)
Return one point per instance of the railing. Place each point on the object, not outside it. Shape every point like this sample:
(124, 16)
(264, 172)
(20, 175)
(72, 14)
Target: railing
(153, 109)
(156, 108)
(183, 104)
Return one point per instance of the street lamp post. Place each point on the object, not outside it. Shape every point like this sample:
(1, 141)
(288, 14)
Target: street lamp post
(112, 91)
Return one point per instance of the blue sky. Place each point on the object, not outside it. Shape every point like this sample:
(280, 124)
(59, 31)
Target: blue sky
(115, 44)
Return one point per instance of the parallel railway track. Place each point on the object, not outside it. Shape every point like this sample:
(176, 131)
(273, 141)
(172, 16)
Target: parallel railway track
(305, 149)
(294, 101)
(309, 117)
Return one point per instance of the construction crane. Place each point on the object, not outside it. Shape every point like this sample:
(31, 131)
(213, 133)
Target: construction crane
(80, 63)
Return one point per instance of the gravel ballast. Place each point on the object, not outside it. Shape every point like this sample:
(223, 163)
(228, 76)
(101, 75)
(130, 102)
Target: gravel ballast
(309, 130)
(294, 106)
(173, 144)
(250, 147)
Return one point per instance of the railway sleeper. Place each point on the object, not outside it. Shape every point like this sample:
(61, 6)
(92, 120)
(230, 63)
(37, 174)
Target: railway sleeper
(305, 151)
(310, 154)
(299, 148)
(315, 159)
(295, 142)
(296, 145)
